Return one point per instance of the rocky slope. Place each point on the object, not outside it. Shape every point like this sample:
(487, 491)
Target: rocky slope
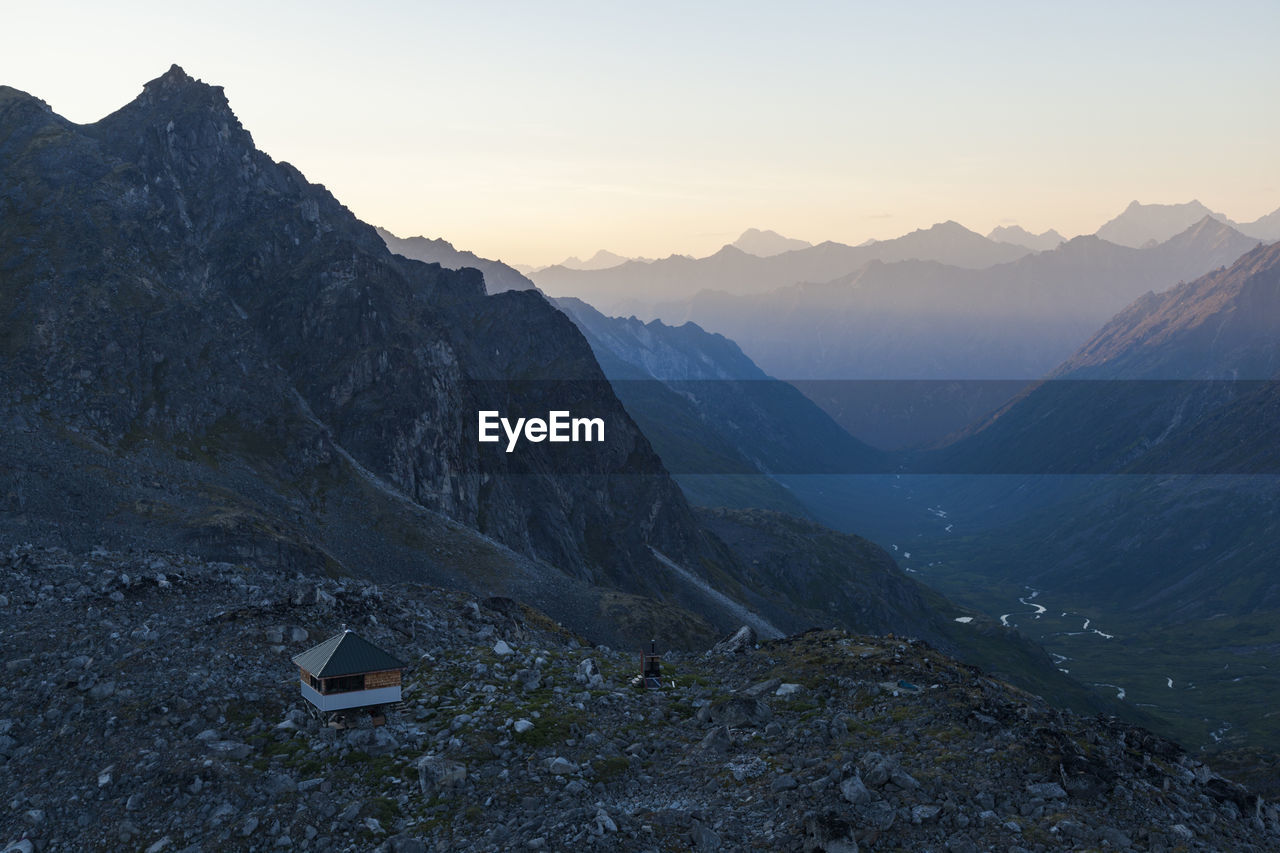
(720, 424)
(498, 277)
(202, 348)
(150, 704)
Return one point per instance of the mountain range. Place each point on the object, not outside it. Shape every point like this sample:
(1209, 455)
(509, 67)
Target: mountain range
(1157, 521)
(765, 244)
(1019, 236)
(634, 287)
(206, 353)
(1147, 224)
(903, 322)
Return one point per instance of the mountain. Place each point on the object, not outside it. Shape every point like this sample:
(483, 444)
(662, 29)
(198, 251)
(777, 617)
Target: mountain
(882, 348)
(719, 423)
(207, 355)
(1164, 531)
(1150, 373)
(1019, 236)
(204, 351)
(1264, 227)
(498, 277)
(1142, 224)
(764, 244)
(603, 259)
(634, 287)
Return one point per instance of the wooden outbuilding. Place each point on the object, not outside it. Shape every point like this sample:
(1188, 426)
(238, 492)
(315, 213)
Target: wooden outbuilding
(347, 671)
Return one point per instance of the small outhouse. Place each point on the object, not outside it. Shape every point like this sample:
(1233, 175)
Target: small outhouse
(348, 671)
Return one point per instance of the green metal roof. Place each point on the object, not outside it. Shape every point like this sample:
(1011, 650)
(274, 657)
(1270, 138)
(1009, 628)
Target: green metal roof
(345, 654)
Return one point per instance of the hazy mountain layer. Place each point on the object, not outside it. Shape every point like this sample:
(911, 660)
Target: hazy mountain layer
(1019, 236)
(634, 287)
(1148, 224)
(916, 320)
(764, 244)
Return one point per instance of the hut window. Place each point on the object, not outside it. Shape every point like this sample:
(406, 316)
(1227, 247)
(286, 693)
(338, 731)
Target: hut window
(345, 684)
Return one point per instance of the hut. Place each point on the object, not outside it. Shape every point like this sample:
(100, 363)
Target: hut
(347, 671)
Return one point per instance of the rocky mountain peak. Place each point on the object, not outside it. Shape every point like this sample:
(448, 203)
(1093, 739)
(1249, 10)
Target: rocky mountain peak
(176, 85)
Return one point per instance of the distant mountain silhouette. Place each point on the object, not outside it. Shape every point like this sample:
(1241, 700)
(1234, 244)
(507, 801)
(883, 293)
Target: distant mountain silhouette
(916, 320)
(1264, 227)
(601, 260)
(1019, 236)
(633, 287)
(764, 244)
(1143, 224)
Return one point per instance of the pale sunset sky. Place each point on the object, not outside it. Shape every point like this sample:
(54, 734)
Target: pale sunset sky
(533, 131)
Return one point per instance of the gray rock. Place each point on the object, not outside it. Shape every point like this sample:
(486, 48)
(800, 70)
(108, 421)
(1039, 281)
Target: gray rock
(604, 823)
(1071, 829)
(903, 779)
(233, 750)
(704, 837)
(278, 783)
(743, 640)
(854, 791)
(501, 649)
(764, 688)
(717, 740)
(438, 776)
(738, 712)
(1115, 837)
(561, 766)
(1048, 790)
(925, 813)
(785, 782)
(102, 690)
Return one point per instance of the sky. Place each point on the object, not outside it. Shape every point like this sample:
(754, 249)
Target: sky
(529, 132)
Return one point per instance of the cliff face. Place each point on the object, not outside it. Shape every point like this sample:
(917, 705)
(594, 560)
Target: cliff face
(170, 293)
